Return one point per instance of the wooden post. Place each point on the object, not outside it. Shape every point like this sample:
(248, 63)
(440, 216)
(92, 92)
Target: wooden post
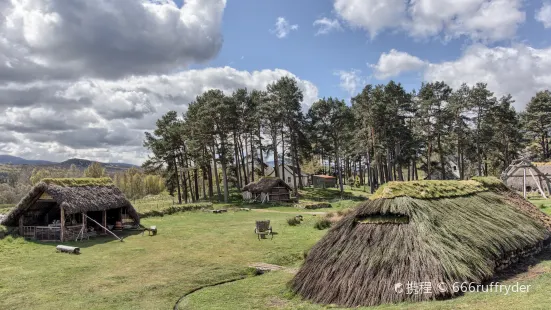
(62, 237)
(21, 225)
(104, 221)
(524, 183)
(538, 184)
(84, 220)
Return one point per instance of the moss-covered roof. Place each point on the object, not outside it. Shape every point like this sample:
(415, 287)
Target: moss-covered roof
(76, 182)
(429, 189)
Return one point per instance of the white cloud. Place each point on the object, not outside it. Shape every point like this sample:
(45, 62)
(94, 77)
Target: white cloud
(44, 39)
(371, 15)
(105, 119)
(326, 25)
(395, 63)
(283, 28)
(350, 81)
(543, 15)
(484, 20)
(519, 70)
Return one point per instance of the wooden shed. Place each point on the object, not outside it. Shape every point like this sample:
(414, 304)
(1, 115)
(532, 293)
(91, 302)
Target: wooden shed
(267, 189)
(63, 209)
(324, 181)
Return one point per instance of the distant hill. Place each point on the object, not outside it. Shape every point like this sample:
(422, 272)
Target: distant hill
(14, 160)
(81, 164)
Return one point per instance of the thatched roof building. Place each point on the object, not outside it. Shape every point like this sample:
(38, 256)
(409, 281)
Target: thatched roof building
(267, 189)
(437, 232)
(536, 174)
(58, 199)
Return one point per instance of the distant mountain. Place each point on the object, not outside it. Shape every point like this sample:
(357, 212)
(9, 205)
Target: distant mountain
(81, 164)
(84, 163)
(14, 160)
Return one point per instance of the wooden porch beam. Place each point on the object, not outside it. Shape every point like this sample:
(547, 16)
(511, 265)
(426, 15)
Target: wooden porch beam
(104, 221)
(62, 237)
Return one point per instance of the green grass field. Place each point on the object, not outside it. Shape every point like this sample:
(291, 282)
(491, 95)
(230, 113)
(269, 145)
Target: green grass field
(194, 249)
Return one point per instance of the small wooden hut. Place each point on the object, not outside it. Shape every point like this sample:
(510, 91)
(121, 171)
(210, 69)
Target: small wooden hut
(324, 181)
(61, 209)
(267, 189)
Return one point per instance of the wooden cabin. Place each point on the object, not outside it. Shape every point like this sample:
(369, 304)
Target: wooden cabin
(267, 189)
(61, 209)
(324, 181)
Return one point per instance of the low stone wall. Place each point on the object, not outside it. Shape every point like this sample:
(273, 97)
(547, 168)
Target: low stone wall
(514, 257)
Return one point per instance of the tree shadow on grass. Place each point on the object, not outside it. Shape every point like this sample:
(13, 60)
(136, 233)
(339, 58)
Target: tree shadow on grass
(100, 239)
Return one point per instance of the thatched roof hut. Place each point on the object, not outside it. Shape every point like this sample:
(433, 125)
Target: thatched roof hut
(267, 189)
(537, 173)
(264, 185)
(55, 199)
(437, 232)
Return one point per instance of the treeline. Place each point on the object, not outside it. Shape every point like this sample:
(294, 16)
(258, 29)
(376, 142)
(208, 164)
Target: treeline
(386, 134)
(133, 183)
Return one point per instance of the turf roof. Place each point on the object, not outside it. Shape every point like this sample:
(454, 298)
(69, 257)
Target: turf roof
(462, 236)
(76, 182)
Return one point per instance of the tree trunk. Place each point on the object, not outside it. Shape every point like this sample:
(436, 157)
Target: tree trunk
(225, 180)
(177, 179)
(209, 175)
(243, 165)
(262, 172)
(253, 157)
(196, 179)
(216, 175)
(276, 161)
(337, 162)
(204, 177)
(282, 157)
(429, 155)
(236, 160)
(441, 153)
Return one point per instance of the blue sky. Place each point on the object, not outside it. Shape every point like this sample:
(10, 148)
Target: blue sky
(249, 44)
(107, 70)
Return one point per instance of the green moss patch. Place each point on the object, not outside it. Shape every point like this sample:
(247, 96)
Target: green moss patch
(75, 182)
(429, 189)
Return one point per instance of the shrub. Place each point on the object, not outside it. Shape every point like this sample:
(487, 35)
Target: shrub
(322, 224)
(330, 215)
(293, 221)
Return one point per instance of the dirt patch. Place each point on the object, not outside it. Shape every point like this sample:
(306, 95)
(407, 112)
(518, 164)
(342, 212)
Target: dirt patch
(286, 212)
(277, 303)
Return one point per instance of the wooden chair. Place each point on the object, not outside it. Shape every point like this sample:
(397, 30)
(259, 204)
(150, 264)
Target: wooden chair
(262, 229)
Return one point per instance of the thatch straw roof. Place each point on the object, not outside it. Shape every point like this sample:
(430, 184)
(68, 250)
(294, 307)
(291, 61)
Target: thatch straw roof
(75, 196)
(461, 231)
(264, 185)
